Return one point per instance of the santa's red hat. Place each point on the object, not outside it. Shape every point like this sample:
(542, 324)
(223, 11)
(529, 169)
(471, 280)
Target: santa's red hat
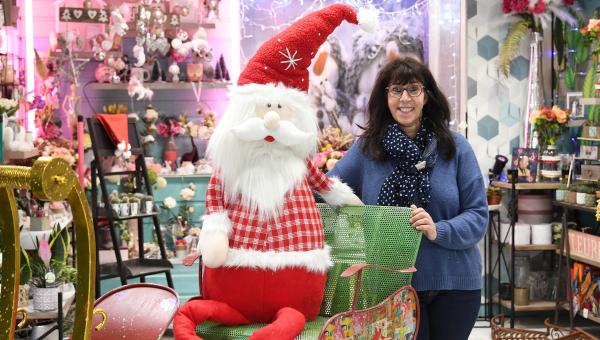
(116, 127)
(286, 57)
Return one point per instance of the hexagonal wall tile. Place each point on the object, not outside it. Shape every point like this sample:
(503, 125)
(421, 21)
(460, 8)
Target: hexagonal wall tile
(487, 47)
(509, 113)
(471, 87)
(487, 127)
(519, 68)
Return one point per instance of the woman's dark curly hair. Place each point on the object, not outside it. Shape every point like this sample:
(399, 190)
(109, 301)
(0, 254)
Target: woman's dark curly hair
(436, 109)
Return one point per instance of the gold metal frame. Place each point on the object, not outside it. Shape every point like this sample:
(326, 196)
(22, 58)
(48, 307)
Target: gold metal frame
(49, 179)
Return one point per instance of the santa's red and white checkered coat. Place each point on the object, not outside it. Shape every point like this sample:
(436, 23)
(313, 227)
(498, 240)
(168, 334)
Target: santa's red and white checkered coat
(297, 228)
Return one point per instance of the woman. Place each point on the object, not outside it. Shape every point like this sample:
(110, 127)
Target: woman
(407, 156)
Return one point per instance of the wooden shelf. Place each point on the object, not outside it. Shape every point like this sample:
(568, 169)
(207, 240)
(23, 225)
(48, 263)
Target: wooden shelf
(574, 206)
(533, 306)
(531, 247)
(589, 317)
(159, 86)
(527, 186)
(581, 259)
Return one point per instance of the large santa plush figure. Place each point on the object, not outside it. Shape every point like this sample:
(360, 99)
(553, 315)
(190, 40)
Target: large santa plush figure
(262, 241)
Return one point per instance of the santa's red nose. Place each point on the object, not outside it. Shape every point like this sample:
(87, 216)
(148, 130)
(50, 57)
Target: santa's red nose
(269, 139)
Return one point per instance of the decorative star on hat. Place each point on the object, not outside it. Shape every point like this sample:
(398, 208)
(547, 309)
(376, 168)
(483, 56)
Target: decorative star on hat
(286, 57)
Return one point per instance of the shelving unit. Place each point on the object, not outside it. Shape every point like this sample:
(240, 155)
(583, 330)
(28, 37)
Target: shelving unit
(160, 85)
(565, 252)
(103, 214)
(501, 260)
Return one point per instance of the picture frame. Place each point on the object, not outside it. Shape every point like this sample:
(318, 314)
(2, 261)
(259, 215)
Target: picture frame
(525, 160)
(574, 105)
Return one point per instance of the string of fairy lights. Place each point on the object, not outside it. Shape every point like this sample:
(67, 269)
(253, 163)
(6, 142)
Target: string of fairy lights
(261, 19)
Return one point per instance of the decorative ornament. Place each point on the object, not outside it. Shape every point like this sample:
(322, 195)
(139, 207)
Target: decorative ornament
(176, 43)
(182, 35)
(290, 59)
(100, 55)
(185, 11)
(107, 45)
(123, 150)
(176, 10)
(174, 71)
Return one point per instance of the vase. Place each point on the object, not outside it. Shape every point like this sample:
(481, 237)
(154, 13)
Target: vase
(535, 85)
(170, 153)
(550, 167)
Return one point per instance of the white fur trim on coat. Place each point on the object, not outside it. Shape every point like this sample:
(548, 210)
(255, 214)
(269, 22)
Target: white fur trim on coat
(339, 194)
(217, 222)
(313, 260)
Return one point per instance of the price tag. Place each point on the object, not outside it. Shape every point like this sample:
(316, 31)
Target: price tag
(585, 312)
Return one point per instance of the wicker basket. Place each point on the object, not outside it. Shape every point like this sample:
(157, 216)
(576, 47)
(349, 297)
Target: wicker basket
(552, 332)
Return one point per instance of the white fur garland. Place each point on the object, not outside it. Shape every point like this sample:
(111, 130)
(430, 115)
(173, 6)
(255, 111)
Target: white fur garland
(339, 194)
(217, 222)
(313, 260)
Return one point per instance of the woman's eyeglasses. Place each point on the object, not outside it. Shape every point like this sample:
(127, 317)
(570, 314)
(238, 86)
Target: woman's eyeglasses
(413, 90)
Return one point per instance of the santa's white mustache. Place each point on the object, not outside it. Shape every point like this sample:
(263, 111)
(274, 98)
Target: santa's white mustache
(286, 133)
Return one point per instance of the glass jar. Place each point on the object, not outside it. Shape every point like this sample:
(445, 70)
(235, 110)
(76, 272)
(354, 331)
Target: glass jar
(522, 271)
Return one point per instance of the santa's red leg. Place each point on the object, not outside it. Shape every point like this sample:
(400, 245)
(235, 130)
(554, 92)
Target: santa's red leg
(288, 324)
(195, 312)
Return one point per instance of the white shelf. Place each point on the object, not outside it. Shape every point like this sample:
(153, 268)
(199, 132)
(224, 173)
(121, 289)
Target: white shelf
(589, 101)
(159, 86)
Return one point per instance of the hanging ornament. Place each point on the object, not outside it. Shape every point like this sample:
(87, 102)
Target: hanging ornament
(176, 10)
(100, 55)
(176, 43)
(182, 35)
(184, 11)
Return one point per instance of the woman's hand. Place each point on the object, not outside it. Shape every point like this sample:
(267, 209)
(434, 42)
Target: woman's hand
(421, 220)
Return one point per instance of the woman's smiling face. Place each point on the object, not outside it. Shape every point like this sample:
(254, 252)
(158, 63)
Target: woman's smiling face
(406, 102)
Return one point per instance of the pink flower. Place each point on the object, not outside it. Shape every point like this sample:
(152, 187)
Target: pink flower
(319, 159)
(163, 130)
(44, 252)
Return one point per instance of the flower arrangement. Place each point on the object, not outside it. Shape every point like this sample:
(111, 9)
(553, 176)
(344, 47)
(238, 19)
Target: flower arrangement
(334, 144)
(115, 108)
(56, 147)
(591, 32)
(169, 127)
(550, 123)
(209, 122)
(531, 15)
(8, 106)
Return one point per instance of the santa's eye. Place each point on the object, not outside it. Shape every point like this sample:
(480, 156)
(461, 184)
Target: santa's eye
(279, 106)
(269, 105)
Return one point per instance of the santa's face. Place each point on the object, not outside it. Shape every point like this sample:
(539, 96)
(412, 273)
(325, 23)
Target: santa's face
(261, 144)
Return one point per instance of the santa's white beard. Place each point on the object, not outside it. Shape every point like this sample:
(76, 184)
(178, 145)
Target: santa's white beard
(260, 175)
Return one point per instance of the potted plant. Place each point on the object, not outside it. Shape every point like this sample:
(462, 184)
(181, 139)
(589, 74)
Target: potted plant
(124, 207)
(148, 204)
(561, 192)
(494, 195)
(134, 205)
(590, 196)
(48, 269)
(115, 203)
(581, 191)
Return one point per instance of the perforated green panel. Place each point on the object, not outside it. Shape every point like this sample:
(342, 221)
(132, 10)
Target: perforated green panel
(372, 234)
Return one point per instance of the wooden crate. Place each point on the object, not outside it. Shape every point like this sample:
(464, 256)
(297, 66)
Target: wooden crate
(586, 246)
(590, 172)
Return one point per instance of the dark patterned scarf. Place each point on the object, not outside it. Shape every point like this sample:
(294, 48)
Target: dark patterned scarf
(414, 160)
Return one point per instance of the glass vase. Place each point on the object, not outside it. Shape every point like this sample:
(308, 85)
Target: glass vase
(170, 153)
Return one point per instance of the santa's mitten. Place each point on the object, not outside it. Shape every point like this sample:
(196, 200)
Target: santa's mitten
(213, 242)
(340, 194)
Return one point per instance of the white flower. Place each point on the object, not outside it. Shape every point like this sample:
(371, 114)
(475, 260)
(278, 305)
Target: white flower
(161, 182)
(170, 202)
(187, 194)
(148, 139)
(192, 186)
